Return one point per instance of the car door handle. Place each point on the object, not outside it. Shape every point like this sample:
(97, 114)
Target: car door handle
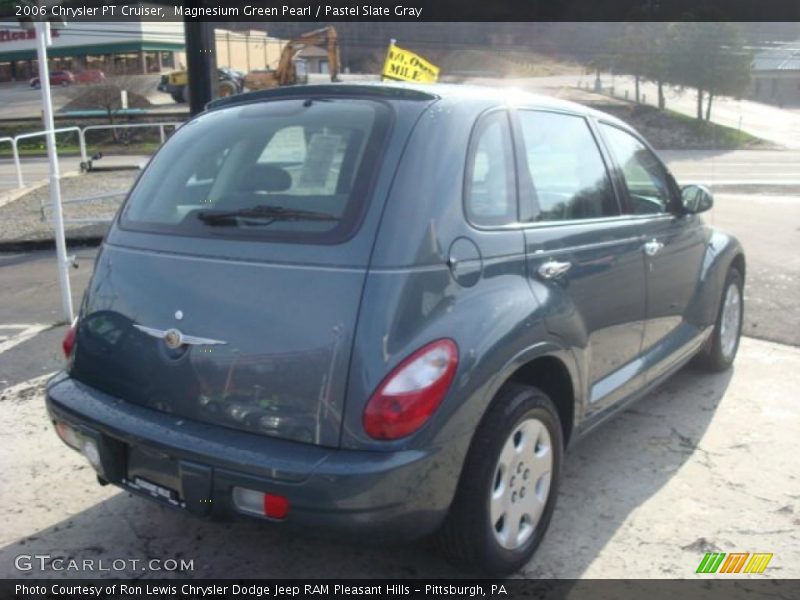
(653, 247)
(553, 269)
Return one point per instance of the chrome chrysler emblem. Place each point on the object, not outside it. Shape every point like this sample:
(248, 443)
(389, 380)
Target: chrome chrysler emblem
(173, 338)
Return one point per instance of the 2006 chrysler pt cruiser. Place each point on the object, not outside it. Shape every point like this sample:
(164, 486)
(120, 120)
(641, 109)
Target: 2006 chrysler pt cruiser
(388, 309)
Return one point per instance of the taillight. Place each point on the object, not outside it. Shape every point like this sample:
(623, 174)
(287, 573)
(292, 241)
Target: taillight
(68, 342)
(260, 503)
(411, 393)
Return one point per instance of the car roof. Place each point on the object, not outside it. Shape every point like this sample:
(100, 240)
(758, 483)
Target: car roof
(415, 91)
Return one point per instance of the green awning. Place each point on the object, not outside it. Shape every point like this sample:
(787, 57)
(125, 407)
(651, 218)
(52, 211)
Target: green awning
(112, 48)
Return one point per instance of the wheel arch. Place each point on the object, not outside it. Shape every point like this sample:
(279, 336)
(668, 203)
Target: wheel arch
(551, 368)
(739, 263)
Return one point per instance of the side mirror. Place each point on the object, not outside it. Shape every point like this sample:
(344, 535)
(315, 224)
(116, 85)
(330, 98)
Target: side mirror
(696, 199)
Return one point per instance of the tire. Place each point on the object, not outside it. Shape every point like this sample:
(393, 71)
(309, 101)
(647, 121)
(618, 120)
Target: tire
(469, 537)
(178, 95)
(720, 350)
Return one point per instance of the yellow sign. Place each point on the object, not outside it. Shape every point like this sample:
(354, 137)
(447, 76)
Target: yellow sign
(404, 65)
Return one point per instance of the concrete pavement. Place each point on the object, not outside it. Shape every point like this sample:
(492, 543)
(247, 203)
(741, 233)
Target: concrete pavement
(697, 481)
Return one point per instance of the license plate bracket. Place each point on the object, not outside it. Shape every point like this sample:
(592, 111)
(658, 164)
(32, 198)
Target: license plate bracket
(154, 473)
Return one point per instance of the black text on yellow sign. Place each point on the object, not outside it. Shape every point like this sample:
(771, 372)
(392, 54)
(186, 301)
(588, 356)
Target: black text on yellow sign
(404, 65)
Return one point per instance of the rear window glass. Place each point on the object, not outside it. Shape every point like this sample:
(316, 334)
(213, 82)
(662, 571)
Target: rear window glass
(294, 170)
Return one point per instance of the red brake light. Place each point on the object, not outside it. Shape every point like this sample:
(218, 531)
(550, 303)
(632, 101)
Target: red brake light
(411, 393)
(276, 507)
(69, 339)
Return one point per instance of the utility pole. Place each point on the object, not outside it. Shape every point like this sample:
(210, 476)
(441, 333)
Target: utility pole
(42, 41)
(201, 63)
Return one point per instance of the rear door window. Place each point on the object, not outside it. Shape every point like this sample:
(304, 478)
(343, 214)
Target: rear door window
(294, 170)
(569, 177)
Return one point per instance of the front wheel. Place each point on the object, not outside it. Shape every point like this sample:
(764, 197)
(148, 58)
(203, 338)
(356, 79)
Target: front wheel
(509, 483)
(721, 348)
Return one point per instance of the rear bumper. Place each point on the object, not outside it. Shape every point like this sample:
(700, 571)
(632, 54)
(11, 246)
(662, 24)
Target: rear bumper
(388, 495)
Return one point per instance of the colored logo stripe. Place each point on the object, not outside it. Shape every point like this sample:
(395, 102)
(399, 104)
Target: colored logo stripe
(734, 562)
(711, 562)
(758, 563)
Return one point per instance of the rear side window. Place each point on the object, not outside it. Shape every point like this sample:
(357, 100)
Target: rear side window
(490, 191)
(569, 177)
(291, 170)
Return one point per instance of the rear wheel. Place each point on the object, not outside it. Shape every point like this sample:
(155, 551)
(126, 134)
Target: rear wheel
(508, 487)
(721, 348)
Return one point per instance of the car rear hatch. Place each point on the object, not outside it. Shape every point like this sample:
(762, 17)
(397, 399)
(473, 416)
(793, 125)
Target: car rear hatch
(210, 303)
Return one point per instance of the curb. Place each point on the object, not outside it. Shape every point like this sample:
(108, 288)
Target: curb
(49, 244)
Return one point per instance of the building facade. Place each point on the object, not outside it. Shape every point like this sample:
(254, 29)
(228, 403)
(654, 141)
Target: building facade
(776, 75)
(127, 48)
(113, 47)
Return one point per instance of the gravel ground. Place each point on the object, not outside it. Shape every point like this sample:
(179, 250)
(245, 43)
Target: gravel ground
(21, 220)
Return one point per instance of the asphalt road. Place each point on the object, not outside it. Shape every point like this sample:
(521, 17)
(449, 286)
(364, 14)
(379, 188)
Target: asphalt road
(762, 167)
(20, 101)
(36, 169)
(735, 167)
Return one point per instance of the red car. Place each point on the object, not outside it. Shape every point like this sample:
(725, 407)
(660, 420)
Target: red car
(56, 78)
(90, 76)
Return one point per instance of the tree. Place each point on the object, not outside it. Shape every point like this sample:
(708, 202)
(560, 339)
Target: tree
(657, 65)
(633, 53)
(709, 57)
(106, 95)
(730, 66)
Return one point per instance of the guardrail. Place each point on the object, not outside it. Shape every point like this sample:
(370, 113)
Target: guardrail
(161, 127)
(10, 140)
(44, 132)
(86, 162)
(102, 219)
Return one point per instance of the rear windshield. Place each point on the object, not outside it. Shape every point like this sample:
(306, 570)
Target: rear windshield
(292, 170)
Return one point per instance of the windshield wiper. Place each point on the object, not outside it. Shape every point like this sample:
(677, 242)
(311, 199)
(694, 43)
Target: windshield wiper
(262, 211)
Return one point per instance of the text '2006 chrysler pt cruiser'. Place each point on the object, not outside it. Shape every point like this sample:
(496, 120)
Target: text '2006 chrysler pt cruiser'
(386, 310)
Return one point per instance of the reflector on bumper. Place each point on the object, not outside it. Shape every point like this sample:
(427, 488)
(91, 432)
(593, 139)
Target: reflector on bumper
(253, 502)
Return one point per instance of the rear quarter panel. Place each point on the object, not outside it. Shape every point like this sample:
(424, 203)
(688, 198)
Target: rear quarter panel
(411, 296)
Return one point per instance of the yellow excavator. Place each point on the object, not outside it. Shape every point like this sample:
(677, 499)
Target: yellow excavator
(176, 84)
(292, 70)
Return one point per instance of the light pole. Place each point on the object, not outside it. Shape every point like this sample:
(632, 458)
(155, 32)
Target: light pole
(42, 40)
